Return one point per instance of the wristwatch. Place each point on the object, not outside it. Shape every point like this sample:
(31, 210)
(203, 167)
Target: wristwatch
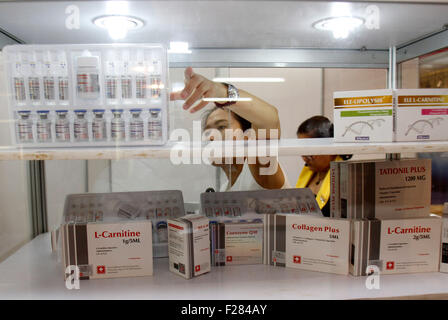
(232, 94)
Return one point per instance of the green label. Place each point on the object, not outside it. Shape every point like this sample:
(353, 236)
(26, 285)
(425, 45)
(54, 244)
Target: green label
(366, 113)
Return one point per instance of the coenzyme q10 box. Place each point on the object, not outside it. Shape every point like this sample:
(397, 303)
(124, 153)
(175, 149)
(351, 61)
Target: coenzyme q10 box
(189, 245)
(363, 116)
(421, 114)
(237, 242)
(309, 243)
(108, 250)
(395, 245)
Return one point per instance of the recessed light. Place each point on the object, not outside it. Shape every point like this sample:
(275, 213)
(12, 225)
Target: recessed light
(118, 25)
(179, 47)
(339, 26)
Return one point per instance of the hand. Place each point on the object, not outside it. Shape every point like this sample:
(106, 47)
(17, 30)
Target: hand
(196, 88)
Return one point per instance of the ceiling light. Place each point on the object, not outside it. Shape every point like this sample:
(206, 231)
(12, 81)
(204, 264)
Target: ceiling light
(117, 25)
(179, 47)
(256, 79)
(340, 26)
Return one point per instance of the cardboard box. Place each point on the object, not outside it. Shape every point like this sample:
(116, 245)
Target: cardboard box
(444, 244)
(237, 242)
(395, 245)
(381, 189)
(108, 250)
(189, 245)
(363, 116)
(308, 243)
(421, 114)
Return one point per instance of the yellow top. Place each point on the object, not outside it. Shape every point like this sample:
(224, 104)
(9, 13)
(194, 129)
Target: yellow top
(324, 192)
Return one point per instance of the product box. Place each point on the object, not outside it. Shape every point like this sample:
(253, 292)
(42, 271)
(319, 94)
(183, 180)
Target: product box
(380, 189)
(308, 243)
(154, 206)
(236, 242)
(189, 245)
(108, 250)
(395, 245)
(444, 245)
(421, 115)
(363, 116)
(87, 94)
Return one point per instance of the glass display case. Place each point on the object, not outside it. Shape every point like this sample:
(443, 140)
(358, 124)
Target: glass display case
(286, 57)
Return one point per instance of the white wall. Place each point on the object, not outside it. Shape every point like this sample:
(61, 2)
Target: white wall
(15, 218)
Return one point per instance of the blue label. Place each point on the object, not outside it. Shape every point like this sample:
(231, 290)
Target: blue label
(362, 138)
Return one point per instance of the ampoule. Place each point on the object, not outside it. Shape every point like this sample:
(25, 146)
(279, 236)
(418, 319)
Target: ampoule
(24, 127)
(81, 129)
(87, 76)
(33, 81)
(111, 79)
(43, 126)
(136, 125)
(62, 74)
(126, 82)
(62, 126)
(99, 125)
(154, 124)
(140, 77)
(19, 81)
(117, 126)
(155, 81)
(49, 88)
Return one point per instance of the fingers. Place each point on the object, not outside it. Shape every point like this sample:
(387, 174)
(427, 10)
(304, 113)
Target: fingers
(176, 95)
(191, 85)
(196, 95)
(188, 73)
(201, 105)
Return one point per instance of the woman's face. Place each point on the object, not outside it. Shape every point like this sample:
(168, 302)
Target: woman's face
(319, 163)
(221, 120)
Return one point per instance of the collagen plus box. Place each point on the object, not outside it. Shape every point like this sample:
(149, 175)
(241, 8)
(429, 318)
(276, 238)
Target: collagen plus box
(363, 116)
(108, 250)
(308, 243)
(189, 245)
(395, 245)
(421, 114)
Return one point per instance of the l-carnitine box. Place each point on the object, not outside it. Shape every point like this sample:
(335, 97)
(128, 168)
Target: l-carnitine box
(363, 116)
(421, 114)
(309, 243)
(108, 250)
(189, 245)
(395, 245)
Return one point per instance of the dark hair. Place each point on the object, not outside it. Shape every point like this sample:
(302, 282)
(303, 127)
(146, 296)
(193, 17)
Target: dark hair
(316, 127)
(245, 125)
(319, 127)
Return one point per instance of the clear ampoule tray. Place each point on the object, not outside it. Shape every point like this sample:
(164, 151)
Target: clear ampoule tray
(87, 95)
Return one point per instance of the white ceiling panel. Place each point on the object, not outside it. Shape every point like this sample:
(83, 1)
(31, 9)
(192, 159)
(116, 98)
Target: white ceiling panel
(224, 24)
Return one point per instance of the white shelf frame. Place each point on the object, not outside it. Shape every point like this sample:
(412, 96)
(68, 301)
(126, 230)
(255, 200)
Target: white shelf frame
(283, 147)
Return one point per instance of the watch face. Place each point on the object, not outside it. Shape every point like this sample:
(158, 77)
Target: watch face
(232, 92)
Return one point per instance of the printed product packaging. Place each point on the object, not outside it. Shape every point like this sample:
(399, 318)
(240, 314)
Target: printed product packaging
(307, 243)
(380, 189)
(236, 242)
(108, 250)
(395, 245)
(363, 116)
(189, 245)
(421, 114)
(444, 246)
